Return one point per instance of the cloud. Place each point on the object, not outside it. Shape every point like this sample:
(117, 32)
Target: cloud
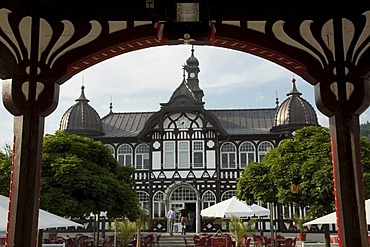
(141, 80)
(259, 97)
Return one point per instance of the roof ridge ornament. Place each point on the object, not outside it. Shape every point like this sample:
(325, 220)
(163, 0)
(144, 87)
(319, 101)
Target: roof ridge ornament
(187, 40)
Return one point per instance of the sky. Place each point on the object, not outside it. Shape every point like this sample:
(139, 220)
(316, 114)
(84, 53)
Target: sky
(141, 80)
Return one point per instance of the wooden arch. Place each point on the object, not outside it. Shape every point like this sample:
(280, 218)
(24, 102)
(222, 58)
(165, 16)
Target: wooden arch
(44, 43)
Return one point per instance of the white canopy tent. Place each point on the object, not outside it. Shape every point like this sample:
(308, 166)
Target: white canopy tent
(46, 219)
(332, 217)
(235, 207)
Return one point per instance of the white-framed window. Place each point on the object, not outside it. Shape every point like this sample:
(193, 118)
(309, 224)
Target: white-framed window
(227, 195)
(159, 209)
(183, 193)
(183, 154)
(247, 154)
(169, 154)
(124, 154)
(263, 148)
(208, 199)
(110, 148)
(142, 157)
(143, 199)
(228, 155)
(198, 154)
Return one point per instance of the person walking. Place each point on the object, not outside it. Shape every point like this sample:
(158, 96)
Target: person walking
(171, 216)
(184, 217)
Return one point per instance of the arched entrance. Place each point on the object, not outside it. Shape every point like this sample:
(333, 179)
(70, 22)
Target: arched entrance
(43, 43)
(183, 195)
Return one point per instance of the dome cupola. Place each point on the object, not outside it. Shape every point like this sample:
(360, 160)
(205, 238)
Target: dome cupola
(81, 118)
(192, 61)
(294, 112)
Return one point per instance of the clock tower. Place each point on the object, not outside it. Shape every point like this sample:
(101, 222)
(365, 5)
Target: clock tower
(192, 68)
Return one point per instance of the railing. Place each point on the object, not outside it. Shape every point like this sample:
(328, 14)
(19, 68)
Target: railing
(54, 245)
(308, 244)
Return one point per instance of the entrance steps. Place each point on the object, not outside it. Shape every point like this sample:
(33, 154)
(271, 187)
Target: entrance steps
(177, 240)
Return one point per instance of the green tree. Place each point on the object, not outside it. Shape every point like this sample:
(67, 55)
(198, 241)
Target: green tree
(80, 176)
(5, 168)
(256, 184)
(298, 171)
(365, 130)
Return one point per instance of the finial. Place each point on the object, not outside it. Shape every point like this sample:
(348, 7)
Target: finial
(277, 100)
(111, 105)
(82, 95)
(192, 50)
(294, 89)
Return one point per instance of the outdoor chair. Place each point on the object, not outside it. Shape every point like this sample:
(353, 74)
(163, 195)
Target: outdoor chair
(108, 241)
(295, 241)
(47, 241)
(59, 240)
(229, 240)
(187, 243)
(288, 242)
(157, 237)
(134, 242)
(202, 242)
(71, 242)
(148, 241)
(196, 239)
(258, 241)
(267, 241)
(245, 241)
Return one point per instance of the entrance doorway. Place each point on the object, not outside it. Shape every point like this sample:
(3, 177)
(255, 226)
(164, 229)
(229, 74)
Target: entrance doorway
(191, 206)
(184, 195)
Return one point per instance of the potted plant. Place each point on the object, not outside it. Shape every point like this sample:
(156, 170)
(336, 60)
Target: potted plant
(299, 224)
(125, 230)
(141, 222)
(238, 228)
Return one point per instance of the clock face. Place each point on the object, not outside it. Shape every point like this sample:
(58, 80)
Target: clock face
(192, 75)
(183, 122)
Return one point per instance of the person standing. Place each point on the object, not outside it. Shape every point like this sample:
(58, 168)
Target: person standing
(184, 217)
(171, 215)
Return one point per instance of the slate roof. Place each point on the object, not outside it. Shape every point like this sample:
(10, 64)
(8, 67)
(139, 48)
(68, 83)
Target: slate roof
(235, 122)
(246, 121)
(128, 124)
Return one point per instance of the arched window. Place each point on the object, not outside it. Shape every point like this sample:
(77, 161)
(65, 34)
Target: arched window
(124, 155)
(228, 155)
(247, 154)
(208, 199)
(142, 157)
(263, 149)
(158, 205)
(143, 199)
(110, 148)
(227, 195)
(183, 193)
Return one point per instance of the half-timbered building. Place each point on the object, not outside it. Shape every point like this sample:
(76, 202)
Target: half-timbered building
(185, 155)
